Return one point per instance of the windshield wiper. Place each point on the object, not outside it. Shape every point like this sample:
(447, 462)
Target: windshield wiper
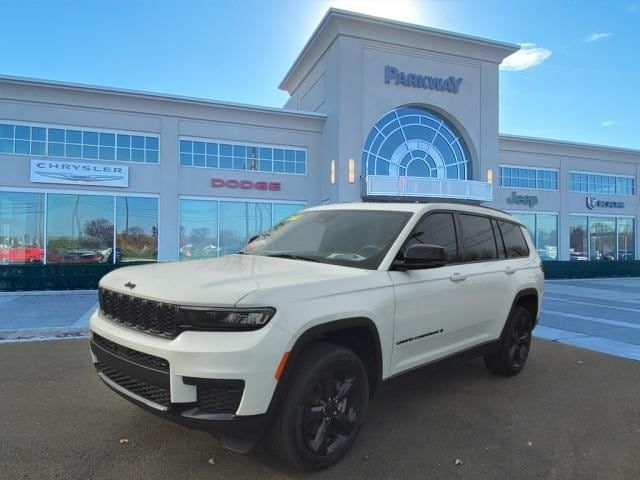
(294, 257)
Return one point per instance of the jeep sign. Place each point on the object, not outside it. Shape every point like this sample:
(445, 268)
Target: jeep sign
(529, 200)
(245, 184)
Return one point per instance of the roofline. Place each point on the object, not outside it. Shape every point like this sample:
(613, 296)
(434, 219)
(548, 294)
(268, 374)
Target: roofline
(156, 96)
(567, 143)
(338, 12)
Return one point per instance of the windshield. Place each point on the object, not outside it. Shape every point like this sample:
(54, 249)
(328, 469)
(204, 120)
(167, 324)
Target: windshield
(355, 238)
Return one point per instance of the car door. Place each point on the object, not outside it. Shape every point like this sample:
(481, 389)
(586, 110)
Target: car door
(428, 302)
(488, 283)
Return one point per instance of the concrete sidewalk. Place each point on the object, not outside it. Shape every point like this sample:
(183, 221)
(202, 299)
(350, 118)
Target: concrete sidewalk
(28, 316)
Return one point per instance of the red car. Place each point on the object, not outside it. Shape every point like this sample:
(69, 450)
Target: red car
(22, 254)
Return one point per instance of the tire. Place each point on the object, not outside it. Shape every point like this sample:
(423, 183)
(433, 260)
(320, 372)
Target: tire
(514, 348)
(322, 411)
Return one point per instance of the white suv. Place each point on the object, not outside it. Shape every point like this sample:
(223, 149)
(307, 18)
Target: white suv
(291, 336)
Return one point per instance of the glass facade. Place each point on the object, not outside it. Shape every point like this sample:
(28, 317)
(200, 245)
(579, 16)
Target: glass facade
(601, 238)
(212, 228)
(534, 178)
(543, 229)
(415, 142)
(78, 143)
(77, 228)
(602, 184)
(21, 227)
(260, 158)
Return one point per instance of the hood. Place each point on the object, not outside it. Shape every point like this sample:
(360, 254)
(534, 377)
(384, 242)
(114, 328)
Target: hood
(221, 281)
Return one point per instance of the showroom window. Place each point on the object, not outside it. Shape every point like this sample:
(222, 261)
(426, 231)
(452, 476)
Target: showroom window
(212, 228)
(78, 143)
(77, 228)
(259, 158)
(601, 238)
(21, 227)
(543, 229)
(528, 177)
(602, 184)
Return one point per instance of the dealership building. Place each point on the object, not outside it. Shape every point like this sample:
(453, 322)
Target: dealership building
(378, 111)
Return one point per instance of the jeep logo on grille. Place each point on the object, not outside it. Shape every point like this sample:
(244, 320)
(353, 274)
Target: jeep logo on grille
(130, 285)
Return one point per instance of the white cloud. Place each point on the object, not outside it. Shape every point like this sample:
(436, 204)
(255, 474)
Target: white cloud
(594, 37)
(529, 55)
(609, 123)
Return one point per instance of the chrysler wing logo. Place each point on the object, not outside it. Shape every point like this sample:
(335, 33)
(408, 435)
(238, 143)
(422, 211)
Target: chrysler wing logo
(81, 178)
(592, 202)
(130, 285)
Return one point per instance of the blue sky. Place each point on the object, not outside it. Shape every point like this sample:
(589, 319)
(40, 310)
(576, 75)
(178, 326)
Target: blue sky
(580, 79)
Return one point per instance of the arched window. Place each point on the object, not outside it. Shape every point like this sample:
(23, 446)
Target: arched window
(415, 142)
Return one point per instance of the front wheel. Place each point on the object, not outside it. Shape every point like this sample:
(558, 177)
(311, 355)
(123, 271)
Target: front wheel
(322, 412)
(512, 356)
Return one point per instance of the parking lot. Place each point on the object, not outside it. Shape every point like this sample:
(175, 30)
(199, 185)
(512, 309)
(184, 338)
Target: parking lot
(573, 413)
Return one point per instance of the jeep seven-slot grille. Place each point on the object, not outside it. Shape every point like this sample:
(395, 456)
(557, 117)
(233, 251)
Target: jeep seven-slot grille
(134, 356)
(153, 393)
(145, 315)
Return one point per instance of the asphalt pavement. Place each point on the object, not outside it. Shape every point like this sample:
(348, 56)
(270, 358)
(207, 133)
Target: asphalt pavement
(571, 414)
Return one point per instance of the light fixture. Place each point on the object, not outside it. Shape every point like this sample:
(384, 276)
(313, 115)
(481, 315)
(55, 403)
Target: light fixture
(352, 170)
(333, 172)
(489, 176)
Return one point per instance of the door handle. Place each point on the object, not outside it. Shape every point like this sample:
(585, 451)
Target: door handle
(509, 271)
(457, 277)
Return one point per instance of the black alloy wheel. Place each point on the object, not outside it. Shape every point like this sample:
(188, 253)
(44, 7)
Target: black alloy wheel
(332, 408)
(512, 355)
(322, 412)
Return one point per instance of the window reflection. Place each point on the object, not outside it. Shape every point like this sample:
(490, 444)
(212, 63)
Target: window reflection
(211, 228)
(136, 230)
(578, 242)
(21, 227)
(79, 228)
(543, 230)
(602, 238)
(198, 229)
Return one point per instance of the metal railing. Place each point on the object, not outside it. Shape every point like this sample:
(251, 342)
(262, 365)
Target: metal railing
(419, 187)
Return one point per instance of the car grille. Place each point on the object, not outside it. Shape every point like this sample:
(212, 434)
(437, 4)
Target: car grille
(134, 356)
(220, 399)
(144, 315)
(153, 393)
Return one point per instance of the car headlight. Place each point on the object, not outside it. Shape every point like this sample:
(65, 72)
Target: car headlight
(226, 319)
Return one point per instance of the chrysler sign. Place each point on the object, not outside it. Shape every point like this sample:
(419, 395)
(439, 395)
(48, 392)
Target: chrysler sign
(245, 184)
(76, 173)
(449, 84)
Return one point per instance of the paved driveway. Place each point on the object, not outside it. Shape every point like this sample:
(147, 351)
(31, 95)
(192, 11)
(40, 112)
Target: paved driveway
(597, 314)
(571, 414)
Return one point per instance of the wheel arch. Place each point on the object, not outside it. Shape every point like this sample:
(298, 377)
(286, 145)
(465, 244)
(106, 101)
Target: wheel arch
(358, 334)
(526, 298)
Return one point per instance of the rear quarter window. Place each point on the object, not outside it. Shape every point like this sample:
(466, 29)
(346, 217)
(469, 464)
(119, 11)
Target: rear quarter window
(514, 242)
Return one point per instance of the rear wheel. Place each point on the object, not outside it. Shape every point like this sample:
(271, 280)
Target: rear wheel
(321, 414)
(512, 356)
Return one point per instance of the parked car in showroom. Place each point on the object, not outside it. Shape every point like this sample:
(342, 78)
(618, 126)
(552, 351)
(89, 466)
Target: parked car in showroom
(288, 340)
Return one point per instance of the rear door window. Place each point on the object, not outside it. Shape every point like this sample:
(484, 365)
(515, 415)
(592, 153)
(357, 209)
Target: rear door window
(437, 229)
(514, 242)
(478, 238)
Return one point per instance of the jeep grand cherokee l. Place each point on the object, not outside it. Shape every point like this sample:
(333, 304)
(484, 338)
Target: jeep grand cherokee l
(288, 339)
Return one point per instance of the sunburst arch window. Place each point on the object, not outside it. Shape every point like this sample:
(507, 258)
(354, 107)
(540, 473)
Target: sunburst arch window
(415, 142)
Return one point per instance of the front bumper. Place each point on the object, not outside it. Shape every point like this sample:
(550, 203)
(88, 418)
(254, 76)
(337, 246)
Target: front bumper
(222, 382)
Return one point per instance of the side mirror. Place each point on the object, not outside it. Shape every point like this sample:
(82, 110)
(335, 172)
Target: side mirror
(422, 256)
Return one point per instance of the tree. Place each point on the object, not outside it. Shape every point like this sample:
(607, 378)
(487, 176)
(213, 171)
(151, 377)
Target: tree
(100, 228)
